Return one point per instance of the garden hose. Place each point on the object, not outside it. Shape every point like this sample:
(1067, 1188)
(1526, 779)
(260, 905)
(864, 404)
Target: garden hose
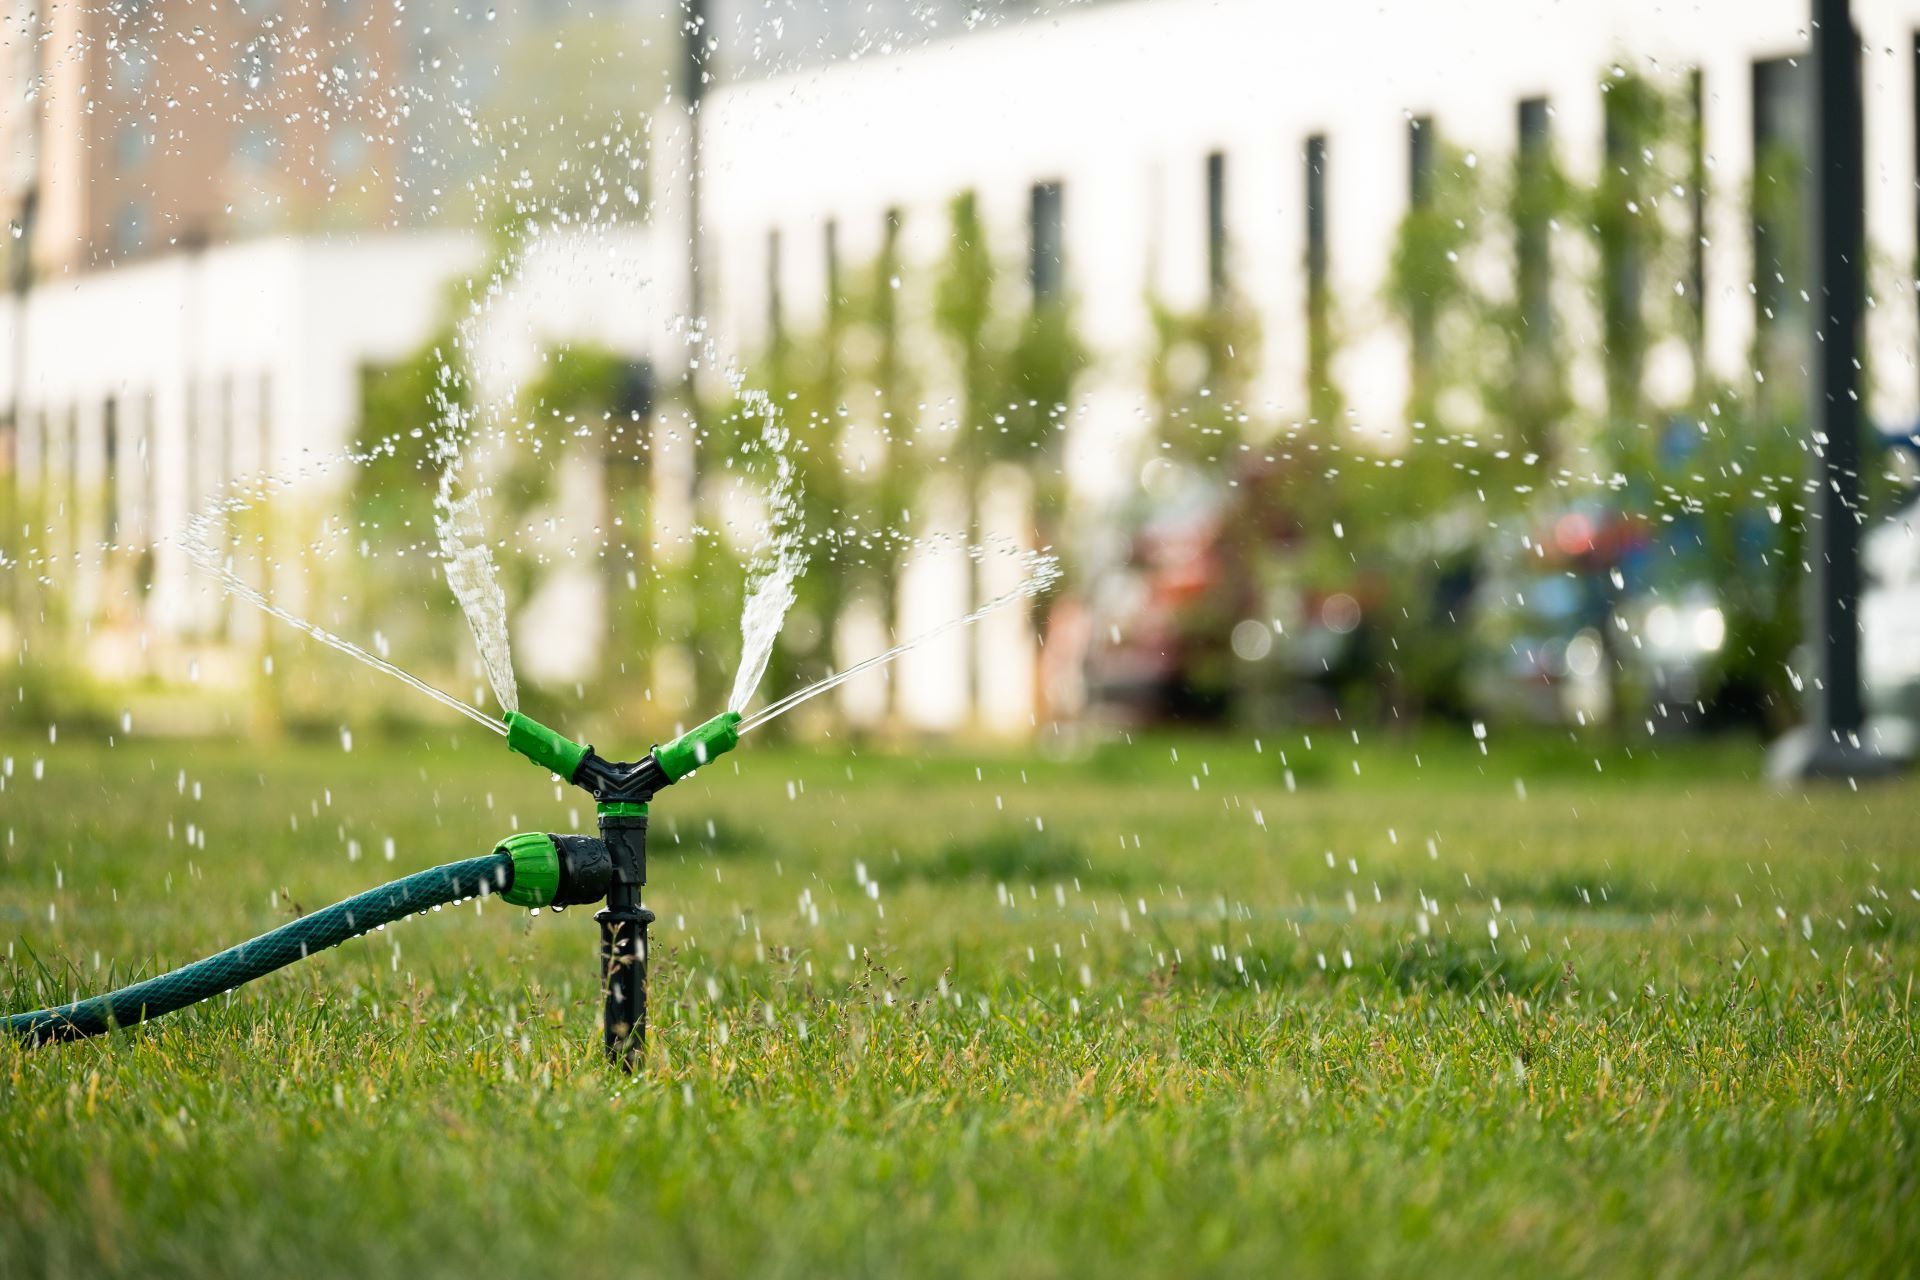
(276, 949)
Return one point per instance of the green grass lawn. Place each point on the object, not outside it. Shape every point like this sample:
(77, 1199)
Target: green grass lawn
(1122, 1012)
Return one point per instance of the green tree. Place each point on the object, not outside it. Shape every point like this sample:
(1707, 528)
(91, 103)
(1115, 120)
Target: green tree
(1199, 374)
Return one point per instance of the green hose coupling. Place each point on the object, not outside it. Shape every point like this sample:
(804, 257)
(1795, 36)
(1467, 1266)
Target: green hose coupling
(699, 745)
(536, 869)
(543, 746)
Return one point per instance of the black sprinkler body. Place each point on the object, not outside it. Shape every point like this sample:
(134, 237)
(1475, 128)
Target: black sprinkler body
(564, 870)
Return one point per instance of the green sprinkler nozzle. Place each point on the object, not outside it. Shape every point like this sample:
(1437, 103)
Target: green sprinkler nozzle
(699, 745)
(543, 746)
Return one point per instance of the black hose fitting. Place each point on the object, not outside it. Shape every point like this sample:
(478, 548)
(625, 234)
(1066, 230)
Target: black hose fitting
(586, 869)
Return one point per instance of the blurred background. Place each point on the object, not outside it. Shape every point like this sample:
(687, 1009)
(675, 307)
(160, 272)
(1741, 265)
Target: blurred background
(1392, 365)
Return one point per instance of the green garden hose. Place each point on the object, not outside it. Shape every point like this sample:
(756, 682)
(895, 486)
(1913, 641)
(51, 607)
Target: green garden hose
(235, 966)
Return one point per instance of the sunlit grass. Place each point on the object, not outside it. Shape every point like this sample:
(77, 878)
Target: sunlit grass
(1147, 1010)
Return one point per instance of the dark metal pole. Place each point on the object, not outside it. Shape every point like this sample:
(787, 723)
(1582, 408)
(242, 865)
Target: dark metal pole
(623, 939)
(693, 86)
(1835, 704)
(1830, 743)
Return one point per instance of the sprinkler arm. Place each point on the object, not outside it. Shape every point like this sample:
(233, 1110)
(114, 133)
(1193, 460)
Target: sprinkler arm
(615, 782)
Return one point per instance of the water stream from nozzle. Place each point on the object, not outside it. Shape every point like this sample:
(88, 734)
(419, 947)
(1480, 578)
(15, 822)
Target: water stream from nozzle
(201, 551)
(781, 557)
(1046, 572)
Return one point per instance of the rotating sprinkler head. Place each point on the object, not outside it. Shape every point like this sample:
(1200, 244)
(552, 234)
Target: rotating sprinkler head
(552, 870)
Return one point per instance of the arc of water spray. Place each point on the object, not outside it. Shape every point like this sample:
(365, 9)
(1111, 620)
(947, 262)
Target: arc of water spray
(781, 558)
(203, 553)
(470, 570)
(475, 581)
(1046, 572)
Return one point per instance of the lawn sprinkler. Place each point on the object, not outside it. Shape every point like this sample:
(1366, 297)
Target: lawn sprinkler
(532, 869)
(565, 870)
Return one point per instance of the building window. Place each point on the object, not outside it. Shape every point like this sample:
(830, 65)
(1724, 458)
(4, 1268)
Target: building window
(1046, 232)
(1320, 395)
(1623, 139)
(776, 321)
(110, 480)
(1423, 146)
(255, 63)
(30, 429)
(836, 302)
(254, 147)
(346, 149)
(130, 228)
(1631, 111)
(1422, 157)
(263, 414)
(1697, 208)
(1537, 386)
(1533, 195)
(228, 462)
(136, 62)
(1781, 132)
(890, 236)
(1217, 227)
(67, 429)
(889, 358)
(345, 70)
(130, 146)
(149, 479)
(196, 449)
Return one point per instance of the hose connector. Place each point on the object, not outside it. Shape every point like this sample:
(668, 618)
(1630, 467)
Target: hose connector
(557, 871)
(552, 751)
(536, 869)
(699, 745)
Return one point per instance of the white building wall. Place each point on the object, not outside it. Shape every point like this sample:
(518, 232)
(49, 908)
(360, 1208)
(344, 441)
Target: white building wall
(186, 347)
(1123, 103)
